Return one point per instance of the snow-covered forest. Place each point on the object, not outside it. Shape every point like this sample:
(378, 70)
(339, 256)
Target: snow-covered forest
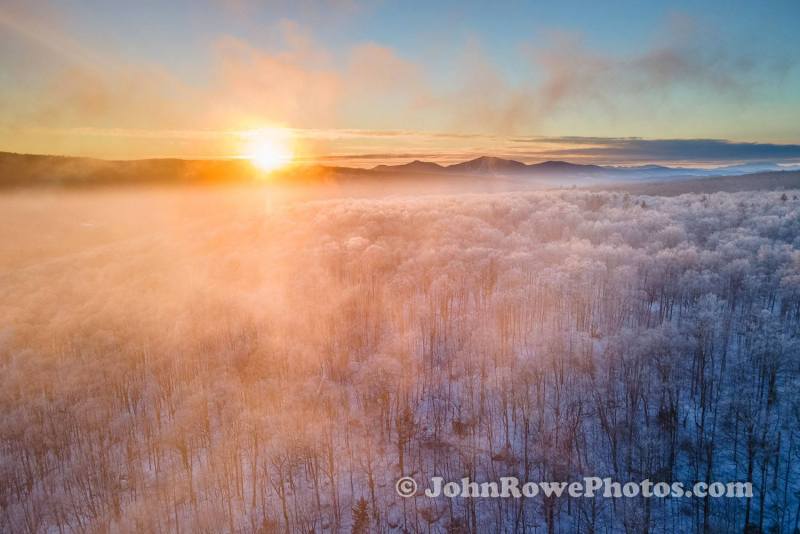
(278, 370)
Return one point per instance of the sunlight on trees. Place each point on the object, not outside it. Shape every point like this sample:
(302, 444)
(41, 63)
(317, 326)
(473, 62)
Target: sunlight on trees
(279, 370)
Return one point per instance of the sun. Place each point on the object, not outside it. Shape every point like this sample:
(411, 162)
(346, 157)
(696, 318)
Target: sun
(269, 150)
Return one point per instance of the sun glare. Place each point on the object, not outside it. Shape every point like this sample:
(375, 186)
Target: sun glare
(269, 150)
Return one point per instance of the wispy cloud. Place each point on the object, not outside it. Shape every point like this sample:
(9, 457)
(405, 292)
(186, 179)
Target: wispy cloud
(667, 150)
(367, 98)
(599, 150)
(684, 55)
(363, 147)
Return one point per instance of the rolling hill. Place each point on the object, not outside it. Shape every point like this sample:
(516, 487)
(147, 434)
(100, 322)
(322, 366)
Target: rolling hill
(26, 171)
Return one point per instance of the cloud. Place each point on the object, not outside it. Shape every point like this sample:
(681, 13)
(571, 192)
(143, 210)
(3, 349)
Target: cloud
(371, 94)
(373, 67)
(388, 156)
(566, 74)
(305, 87)
(127, 96)
(382, 88)
(298, 83)
(293, 86)
(41, 25)
(689, 150)
(604, 150)
(80, 85)
(601, 150)
(686, 56)
(485, 100)
(363, 147)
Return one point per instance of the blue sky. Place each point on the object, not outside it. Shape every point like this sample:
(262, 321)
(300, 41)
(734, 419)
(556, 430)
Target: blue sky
(346, 78)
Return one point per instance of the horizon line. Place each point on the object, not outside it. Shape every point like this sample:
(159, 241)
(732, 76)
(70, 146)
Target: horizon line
(328, 161)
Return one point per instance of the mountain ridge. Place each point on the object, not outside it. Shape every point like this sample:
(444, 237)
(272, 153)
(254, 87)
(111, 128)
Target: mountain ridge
(504, 166)
(31, 170)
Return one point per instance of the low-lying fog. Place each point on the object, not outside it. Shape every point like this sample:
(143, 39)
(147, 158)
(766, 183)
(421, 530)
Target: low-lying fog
(270, 359)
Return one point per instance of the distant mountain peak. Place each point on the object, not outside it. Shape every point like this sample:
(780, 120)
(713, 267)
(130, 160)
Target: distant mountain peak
(412, 166)
(554, 163)
(27, 170)
(559, 164)
(488, 164)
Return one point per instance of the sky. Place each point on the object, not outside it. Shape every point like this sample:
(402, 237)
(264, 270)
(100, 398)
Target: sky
(363, 83)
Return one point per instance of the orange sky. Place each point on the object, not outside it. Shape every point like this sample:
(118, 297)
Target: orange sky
(351, 86)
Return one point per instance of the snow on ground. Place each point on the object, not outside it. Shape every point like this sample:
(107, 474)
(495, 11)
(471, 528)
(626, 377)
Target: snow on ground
(233, 363)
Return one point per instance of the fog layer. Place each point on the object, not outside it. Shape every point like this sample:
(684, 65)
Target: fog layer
(246, 362)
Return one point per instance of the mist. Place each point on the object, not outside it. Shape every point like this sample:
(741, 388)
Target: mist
(273, 359)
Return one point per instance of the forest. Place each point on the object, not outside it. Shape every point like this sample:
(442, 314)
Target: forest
(278, 368)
